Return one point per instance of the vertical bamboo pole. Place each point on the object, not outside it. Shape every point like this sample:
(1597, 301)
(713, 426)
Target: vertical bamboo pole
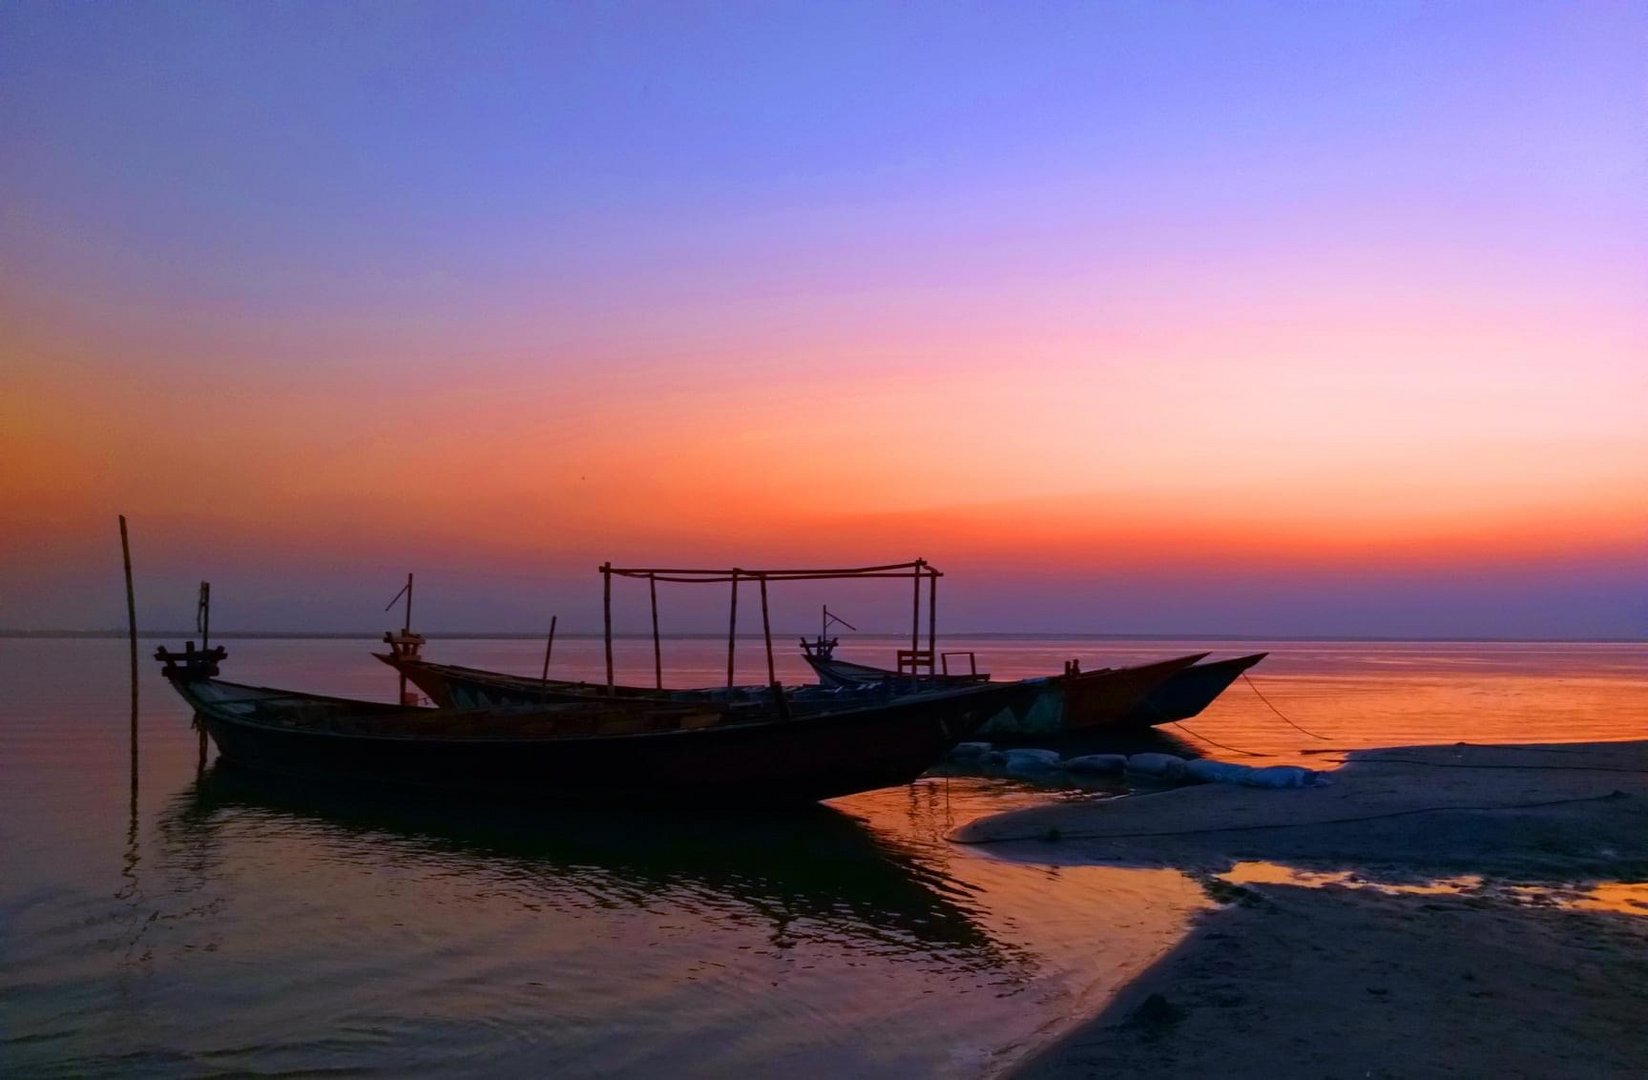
(131, 618)
(205, 627)
(915, 619)
(606, 608)
(549, 648)
(131, 629)
(657, 647)
(732, 628)
(932, 616)
(766, 632)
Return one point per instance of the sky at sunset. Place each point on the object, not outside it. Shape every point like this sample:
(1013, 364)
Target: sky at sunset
(1237, 318)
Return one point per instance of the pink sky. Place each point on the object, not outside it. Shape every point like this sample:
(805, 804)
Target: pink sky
(1320, 322)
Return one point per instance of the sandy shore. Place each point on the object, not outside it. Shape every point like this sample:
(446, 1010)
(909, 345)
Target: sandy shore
(1486, 978)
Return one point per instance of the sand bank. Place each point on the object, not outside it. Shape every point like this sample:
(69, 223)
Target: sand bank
(1284, 980)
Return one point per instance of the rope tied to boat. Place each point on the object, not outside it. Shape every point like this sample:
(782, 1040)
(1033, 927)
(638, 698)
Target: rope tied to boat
(1144, 700)
(1180, 724)
(1279, 712)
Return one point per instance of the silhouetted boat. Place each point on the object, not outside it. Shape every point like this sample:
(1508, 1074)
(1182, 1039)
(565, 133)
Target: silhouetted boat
(454, 686)
(1074, 701)
(615, 751)
(1186, 693)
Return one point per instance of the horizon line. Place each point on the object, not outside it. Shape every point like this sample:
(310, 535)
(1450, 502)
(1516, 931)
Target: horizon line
(1030, 635)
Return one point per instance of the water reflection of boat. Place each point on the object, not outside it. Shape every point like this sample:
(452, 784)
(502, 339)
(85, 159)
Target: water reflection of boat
(813, 872)
(1124, 740)
(611, 752)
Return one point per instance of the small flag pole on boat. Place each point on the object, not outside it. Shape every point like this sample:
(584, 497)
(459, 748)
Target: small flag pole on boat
(406, 627)
(203, 614)
(824, 627)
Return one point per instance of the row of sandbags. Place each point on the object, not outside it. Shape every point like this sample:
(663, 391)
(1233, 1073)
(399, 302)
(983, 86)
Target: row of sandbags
(1166, 768)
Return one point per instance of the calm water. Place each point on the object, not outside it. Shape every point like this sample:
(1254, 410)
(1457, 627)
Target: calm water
(216, 925)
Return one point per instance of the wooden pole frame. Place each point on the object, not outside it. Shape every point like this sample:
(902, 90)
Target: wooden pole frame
(915, 617)
(914, 571)
(766, 632)
(606, 609)
(732, 629)
(932, 619)
(657, 646)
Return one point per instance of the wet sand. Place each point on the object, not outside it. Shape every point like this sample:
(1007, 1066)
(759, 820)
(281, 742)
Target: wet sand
(1488, 977)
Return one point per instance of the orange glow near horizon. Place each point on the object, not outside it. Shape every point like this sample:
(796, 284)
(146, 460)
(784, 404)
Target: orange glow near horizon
(1104, 294)
(1255, 463)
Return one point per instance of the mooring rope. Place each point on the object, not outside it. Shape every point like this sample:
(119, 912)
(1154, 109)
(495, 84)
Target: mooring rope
(1279, 712)
(1144, 700)
(1211, 742)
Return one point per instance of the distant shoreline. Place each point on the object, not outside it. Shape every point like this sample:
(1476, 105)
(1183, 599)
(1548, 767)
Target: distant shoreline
(985, 635)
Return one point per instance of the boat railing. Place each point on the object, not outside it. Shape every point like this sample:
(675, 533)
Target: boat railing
(191, 663)
(912, 661)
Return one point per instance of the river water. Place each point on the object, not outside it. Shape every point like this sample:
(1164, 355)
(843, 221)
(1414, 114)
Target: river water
(204, 923)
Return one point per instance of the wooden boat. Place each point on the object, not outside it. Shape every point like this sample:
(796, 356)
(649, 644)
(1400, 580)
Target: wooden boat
(1186, 693)
(623, 752)
(453, 686)
(820, 655)
(1074, 701)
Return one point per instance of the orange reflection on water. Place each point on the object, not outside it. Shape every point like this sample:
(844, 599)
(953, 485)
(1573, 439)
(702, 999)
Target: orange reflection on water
(1624, 898)
(1627, 898)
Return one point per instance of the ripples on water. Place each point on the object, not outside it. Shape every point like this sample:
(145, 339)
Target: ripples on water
(222, 924)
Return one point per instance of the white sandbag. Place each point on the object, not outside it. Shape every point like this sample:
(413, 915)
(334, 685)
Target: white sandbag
(1280, 776)
(1096, 764)
(1207, 771)
(969, 751)
(1032, 761)
(1160, 766)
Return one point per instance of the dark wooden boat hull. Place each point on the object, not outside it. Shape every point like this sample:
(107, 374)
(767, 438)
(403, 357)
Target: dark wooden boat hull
(1107, 698)
(774, 761)
(1186, 693)
(452, 686)
(846, 675)
(1090, 700)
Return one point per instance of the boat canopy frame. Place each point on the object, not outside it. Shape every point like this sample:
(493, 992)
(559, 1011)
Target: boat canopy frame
(915, 571)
